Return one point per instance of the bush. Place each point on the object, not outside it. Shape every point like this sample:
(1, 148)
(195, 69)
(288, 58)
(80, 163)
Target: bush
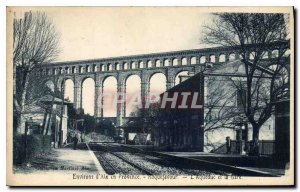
(25, 150)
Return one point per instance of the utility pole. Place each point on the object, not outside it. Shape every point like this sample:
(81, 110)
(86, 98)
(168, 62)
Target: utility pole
(62, 110)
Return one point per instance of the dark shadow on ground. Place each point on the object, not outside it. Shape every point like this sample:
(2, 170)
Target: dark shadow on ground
(80, 146)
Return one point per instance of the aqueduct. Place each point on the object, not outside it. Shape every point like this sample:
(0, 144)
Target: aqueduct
(146, 65)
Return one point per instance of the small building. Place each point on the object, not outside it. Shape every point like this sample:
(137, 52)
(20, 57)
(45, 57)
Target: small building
(47, 119)
(181, 128)
(205, 129)
(138, 138)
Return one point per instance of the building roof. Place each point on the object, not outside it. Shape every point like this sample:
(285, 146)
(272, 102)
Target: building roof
(232, 68)
(237, 67)
(39, 106)
(50, 98)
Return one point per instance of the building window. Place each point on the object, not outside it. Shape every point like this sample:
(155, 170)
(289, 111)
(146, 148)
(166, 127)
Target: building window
(212, 58)
(132, 65)
(125, 66)
(81, 69)
(157, 63)
(231, 56)
(166, 62)
(202, 59)
(149, 64)
(109, 67)
(102, 68)
(193, 60)
(184, 61)
(141, 64)
(88, 69)
(117, 66)
(175, 62)
(222, 58)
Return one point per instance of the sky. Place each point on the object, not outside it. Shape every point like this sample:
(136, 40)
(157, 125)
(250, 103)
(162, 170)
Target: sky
(99, 33)
(89, 33)
(105, 32)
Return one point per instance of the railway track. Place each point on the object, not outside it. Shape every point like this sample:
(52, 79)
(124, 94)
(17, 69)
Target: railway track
(111, 150)
(145, 163)
(218, 168)
(108, 167)
(169, 161)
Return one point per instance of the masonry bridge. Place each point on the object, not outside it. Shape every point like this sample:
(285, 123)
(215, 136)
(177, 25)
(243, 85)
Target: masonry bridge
(145, 66)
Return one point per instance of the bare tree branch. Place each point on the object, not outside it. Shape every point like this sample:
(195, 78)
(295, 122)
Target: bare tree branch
(35, 41)
(262, 31)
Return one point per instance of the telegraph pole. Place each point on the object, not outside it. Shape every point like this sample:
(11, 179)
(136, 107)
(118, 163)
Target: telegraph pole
(60, 141)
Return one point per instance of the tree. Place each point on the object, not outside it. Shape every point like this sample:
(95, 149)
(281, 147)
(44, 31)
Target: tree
(254, 34)
(220, 111)
(220, 105)
(35, 41)
(144, 120)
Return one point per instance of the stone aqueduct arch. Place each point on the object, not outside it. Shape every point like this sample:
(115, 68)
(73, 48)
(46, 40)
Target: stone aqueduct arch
(100, 69)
